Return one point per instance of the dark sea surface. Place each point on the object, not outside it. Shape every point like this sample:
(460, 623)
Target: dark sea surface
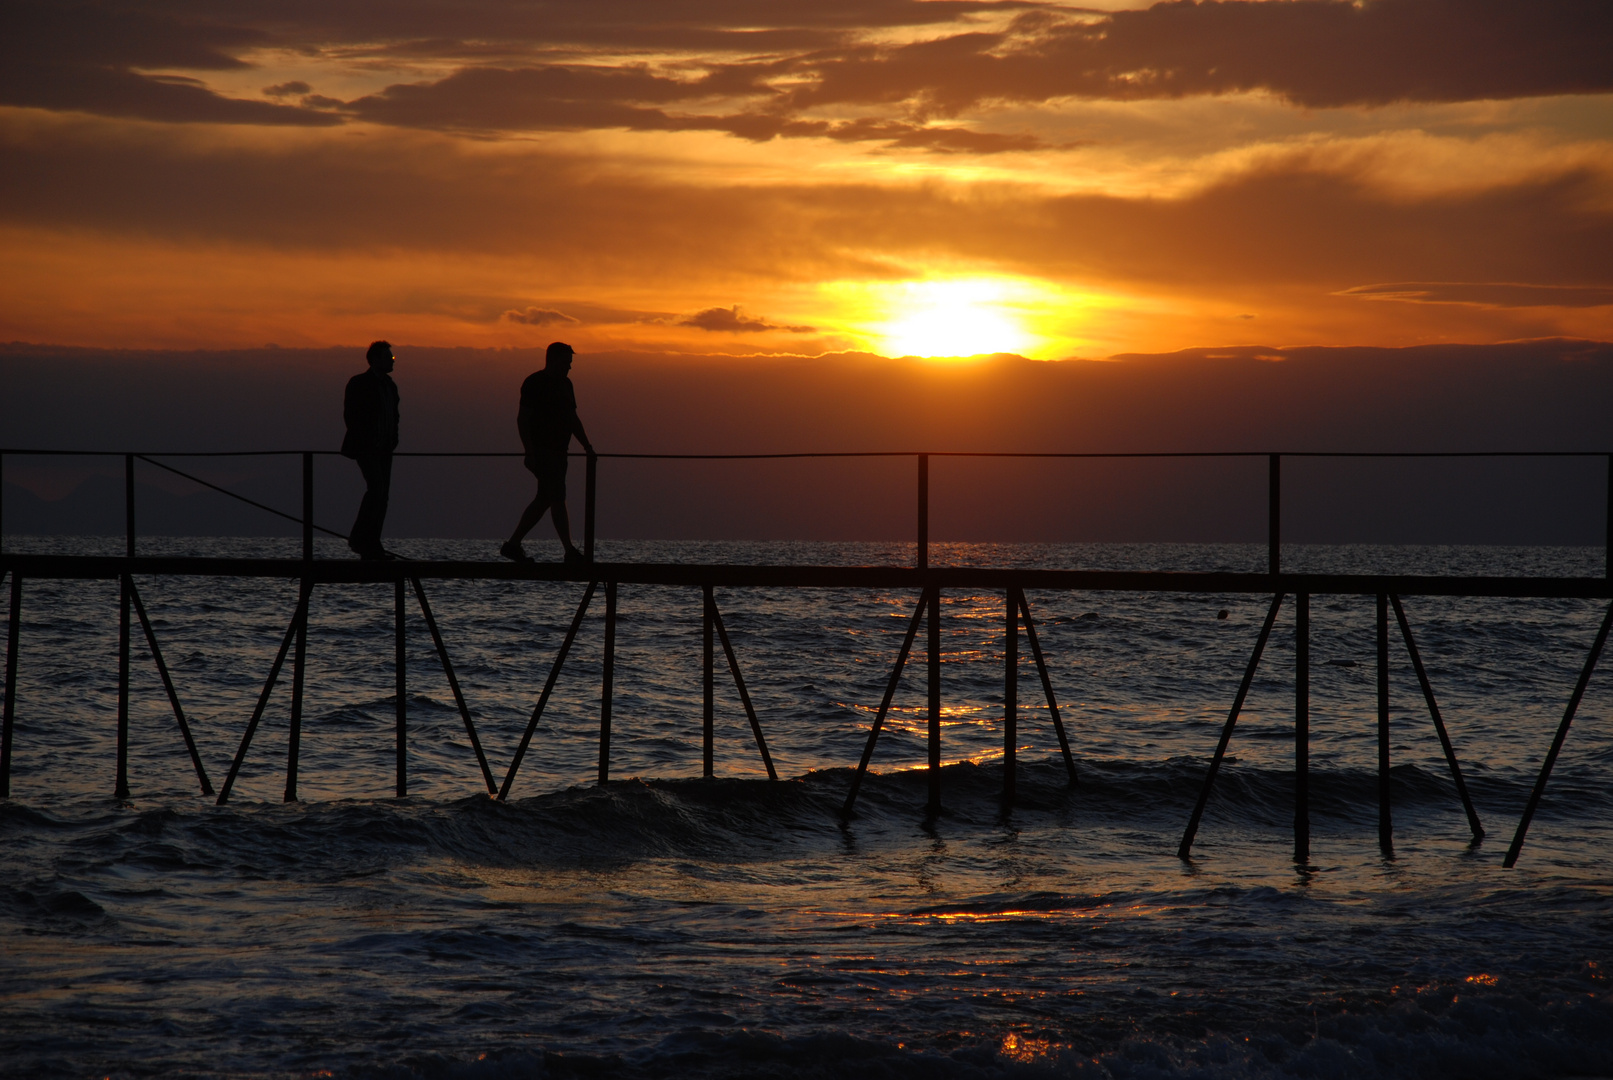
(665, 925)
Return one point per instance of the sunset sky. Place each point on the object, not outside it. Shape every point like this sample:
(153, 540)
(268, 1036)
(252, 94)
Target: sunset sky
(899, 177)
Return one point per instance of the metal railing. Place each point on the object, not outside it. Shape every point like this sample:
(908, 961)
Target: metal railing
(1274, 462)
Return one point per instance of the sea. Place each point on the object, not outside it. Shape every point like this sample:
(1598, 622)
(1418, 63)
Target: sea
(667, 925)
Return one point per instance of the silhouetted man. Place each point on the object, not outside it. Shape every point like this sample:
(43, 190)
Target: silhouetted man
(547, 421)
(371, 411)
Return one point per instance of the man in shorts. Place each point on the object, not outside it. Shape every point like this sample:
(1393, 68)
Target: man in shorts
(370, 408)
(547, 421)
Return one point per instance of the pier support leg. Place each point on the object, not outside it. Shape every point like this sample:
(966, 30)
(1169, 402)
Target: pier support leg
(548, 688)
(708, 715)
(122, 790)
(885, 703)
(1047, 684)
(263, 698)
(173, 694)
(1302, 727)
(607, 679)
(9, 715)
(935, 702)
(299, 664)
(1439, 721)
(744, 694)
(1386, 832)
(453, 685)
(1185, 849)
(401, 681)
(1557, 742)
(1010, 695)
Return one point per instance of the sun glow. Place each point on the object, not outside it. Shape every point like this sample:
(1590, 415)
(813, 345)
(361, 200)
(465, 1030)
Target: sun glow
(957, 317)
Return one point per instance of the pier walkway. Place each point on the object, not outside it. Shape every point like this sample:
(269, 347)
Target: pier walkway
(926, 581)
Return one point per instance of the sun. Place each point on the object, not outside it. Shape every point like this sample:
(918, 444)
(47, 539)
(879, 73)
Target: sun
(955, 317)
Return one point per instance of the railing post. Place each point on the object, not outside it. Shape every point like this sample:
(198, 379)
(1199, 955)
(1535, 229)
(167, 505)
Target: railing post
(607, 680)
(2, 502)
(1010, 696)
(1386, 832)
(1274, 512)
(122, 789)
(708, 726)
(1608, 566)
(402, 689)
(922, 558)
(307, 506)
(935, 702)
(592, 472)
(1302, 727)
(128, 504)
(299, 659)
(10, 708)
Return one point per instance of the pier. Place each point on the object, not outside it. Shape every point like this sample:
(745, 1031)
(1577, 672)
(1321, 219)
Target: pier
(409, 578)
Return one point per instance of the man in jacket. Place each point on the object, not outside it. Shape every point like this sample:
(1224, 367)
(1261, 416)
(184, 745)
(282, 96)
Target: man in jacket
(547, 421)
(371, 411)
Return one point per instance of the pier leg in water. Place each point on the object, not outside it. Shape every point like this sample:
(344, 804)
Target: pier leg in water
(709, 677)
(885, 703)
(173, 695)
(1010, 695)
(1185, 849)
(1439, 721)
(263, 698)
(935, 702)
(1302, 727)
(400, 673)
(9, 715)
(299, 662)
(1557, 742)
(548, 688)
(453, 685)
(1386, 832)
(607, 679)
(1047, 684)
(124, 584)
(744, 695)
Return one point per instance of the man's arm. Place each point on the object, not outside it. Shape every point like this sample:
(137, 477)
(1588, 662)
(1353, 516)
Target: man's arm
(582, 436)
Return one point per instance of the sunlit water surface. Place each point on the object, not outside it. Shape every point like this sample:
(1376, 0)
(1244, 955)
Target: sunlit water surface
(664, 925)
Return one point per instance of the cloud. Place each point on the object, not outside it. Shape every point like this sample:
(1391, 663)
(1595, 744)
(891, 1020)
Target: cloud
(1486, 294)
(83, 59)
(1314, 53)
(793, 69)
(537, 316)
(287, 89)
(730, 321)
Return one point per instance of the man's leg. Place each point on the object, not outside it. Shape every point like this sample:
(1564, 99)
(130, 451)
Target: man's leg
(366, 533)
(529, 519)
(562, 527)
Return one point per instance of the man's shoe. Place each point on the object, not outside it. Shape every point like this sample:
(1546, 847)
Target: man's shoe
(577, 558)
(512, 551)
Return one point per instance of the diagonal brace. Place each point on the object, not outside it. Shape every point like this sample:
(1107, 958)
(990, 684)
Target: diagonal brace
(1439, 721)
(1185, 850)
(168, 685)
(1047, 683)
(453, 684)
(744, 695)
(297, 620)
(548, 688)
(884, 706)
(1557, 743)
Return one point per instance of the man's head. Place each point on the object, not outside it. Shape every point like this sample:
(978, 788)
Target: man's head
(380, 356)
(559, 356)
